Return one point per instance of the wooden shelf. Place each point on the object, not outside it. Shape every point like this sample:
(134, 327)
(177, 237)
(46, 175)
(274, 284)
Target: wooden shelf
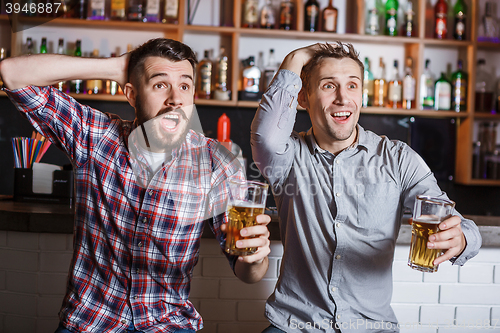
(99, 97)
(486, 116)
(484, 182)
(97, 24)
(414, 112)
(446, 42)
(488, 45)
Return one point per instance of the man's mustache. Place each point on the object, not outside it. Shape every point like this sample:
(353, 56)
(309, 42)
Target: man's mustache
(179, 110)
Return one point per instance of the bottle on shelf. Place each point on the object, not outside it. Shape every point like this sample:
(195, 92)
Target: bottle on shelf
(440, 19)
(269, 70)
(96, 10)
(29, 46)
(380, 86)
(81, 9)
(409, 29)
(372, 25)
(442, 94)
(489, 28)
(427, 88)
(459, 89)
(267, 16)
(204, 90)
(77, 86)
(62, 85)
(94, 86)
(460, 11)
(409, 85)
(222, 92)
(152, 12)
(135, 10)
(251, 76)
(391, 17)
(286, 14)
(171, 12)
(250, 14)
(484, 88)
(311, 15)
(367, 85)
(111, 86)
(43, 46)
(67, 9)
(118, 10)
(395, 88)
(329, 18)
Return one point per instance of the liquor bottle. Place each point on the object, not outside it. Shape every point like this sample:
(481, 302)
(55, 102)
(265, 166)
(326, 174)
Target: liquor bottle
(81, 9)
(329, 18)
(76, 86)
(460, 10)
(459, 89)
(135, 10)
(118, 10)
(391, 17)
(204, 90)
(380, 86)
(251, 76)
(311, 16)
(286, 14)
(484, 88)
(29, 46)
(367, 85)
(267, 16)
(489, 29)
(222, 92)
(43, 46)
(427, 87)
(152, 12)
(372, 19)
(442, 94)
(250, 14)
(94, 87)
(440, 19)
(97, 10)
(409, 85)
(269, 70)
(408, 29)
(171, 12)
(112, 86)
(67, 9)
(62, 85)
(395, 88)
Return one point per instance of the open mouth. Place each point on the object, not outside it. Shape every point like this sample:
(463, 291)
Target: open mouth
(170, 121)
(341, 116)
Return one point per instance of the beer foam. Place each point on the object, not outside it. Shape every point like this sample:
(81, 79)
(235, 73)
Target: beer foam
(429, 219)
(246, 204)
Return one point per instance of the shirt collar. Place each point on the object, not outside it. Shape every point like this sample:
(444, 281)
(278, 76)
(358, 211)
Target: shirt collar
(362, 141)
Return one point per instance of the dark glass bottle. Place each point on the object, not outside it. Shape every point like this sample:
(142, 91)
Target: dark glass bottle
(459, 89)
(311, 16)
(43, 47)
(286, 15)
(391, 17)
(77, 85)
(460, 11)
(329, 18)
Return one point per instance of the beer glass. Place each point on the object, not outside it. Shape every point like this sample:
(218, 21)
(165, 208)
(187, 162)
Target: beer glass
(429, 212)
(247, 199)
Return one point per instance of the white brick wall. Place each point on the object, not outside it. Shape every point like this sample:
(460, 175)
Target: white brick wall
(33, 269)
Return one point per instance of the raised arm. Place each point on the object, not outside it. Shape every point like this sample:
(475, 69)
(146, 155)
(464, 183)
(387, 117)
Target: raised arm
(272, 144)
(48, 69)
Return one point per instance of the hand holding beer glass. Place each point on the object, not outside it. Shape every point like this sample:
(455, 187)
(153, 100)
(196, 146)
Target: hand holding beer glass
(429, 212)
(247, 199)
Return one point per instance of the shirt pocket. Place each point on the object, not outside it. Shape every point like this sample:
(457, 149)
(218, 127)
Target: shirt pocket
(377, 205)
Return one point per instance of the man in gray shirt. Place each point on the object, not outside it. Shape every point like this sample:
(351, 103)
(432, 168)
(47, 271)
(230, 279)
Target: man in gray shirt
(340, 192)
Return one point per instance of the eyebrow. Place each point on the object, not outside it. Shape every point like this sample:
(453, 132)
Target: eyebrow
(184, 76)
(334, 77)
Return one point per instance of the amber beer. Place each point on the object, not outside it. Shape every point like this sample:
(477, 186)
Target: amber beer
(240, 216)
(421, 257)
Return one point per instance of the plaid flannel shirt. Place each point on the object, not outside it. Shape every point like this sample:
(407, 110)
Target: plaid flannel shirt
(134, 248)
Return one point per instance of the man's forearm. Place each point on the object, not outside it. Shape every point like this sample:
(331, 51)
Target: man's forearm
(48, 69)
(251, 273)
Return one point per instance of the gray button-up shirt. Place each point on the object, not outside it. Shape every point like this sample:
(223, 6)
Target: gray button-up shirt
(339, 218)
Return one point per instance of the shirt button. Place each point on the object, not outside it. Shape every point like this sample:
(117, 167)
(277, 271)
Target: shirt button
(144, 220)
(338, 224)
(135, 297)
(333, 289)
(338, 316)
(337, 256)
(151, 192)
(137, 270)
(124, 322)
(140, 244)
(337, 161)
(296, 86)
(337, 194)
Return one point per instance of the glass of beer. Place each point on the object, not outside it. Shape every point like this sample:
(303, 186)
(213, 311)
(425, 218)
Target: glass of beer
(429, 212)
(247, 199)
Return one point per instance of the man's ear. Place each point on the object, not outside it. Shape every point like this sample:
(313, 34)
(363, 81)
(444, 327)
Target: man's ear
(130, 93)
(303, 99)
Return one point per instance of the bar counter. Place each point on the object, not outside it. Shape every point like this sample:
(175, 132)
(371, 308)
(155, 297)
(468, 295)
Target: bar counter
(53, 218)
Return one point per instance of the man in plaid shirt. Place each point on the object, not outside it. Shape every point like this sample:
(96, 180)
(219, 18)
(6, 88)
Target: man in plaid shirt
(137, 229)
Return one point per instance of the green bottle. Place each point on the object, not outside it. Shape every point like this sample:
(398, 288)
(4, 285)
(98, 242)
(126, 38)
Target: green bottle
(367, 85)
(460, 11)
(391, 17)
(77, 85)
(442, 94)
(459, 89)
(43, 47)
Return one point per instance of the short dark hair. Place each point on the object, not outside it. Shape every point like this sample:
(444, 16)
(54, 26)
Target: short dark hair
(158, 47)
(339, 50)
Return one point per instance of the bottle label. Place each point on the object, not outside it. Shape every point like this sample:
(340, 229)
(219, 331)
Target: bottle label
(459, 92)
(223, 73)
(286, 13)
(117, 5)
(312, 12)
(394, 92)
(373, 21)
(441, 26)
(251, 15)
(206, 78)
(171, 8)
(391, 23)
(409, 88)
(329, 21)
(153, 7)
(460, 28)
(443, 96)
(97, 6)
